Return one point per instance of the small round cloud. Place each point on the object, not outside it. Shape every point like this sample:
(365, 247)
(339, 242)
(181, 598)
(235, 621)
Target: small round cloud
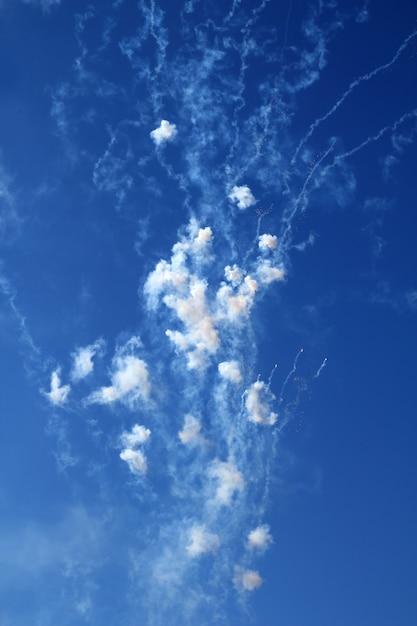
(165, 132)
(243, 196)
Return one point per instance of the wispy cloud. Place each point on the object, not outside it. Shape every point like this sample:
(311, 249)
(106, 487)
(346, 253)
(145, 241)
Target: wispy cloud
(45, 5)
(202, 541)
(58, 395)
(401, 301)
(31, 352)
(129, 378)
(62, 553)
(132, 453)
(258, 401)
(190, 433)
(83, 363)
(229, 480)
(9, 219)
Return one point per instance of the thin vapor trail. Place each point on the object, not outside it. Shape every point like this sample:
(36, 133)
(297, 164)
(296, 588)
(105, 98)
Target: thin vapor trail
(290, 373)
(355, 83)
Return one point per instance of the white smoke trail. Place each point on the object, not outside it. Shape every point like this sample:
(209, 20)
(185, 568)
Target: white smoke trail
(353, 85)
(292, 371)
(322, 366)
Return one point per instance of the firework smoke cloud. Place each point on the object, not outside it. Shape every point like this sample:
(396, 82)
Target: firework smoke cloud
(178, 192)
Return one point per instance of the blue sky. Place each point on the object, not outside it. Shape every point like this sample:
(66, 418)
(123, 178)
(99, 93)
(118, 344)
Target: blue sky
(208, 298)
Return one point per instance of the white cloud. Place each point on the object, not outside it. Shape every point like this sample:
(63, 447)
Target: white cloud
(193, 312)
(196, 243)
(247, 579)
(258, 400)
(233, 274)
(137, 436)
(185, 294)
(164, 132)
(135, 459)
(197, 359)
(190, 432)
(178, 338)
(260, 538)
(267, 242)
(242, 196)
(230, 480)
(267, 274)
(204, 236)
(230, 371)
(174, 276)
(130, 382)
(180, 286)
(165, 276)
(58, 394)
(236, 303)
(83, 360)
(202, 541)
(130, 378)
